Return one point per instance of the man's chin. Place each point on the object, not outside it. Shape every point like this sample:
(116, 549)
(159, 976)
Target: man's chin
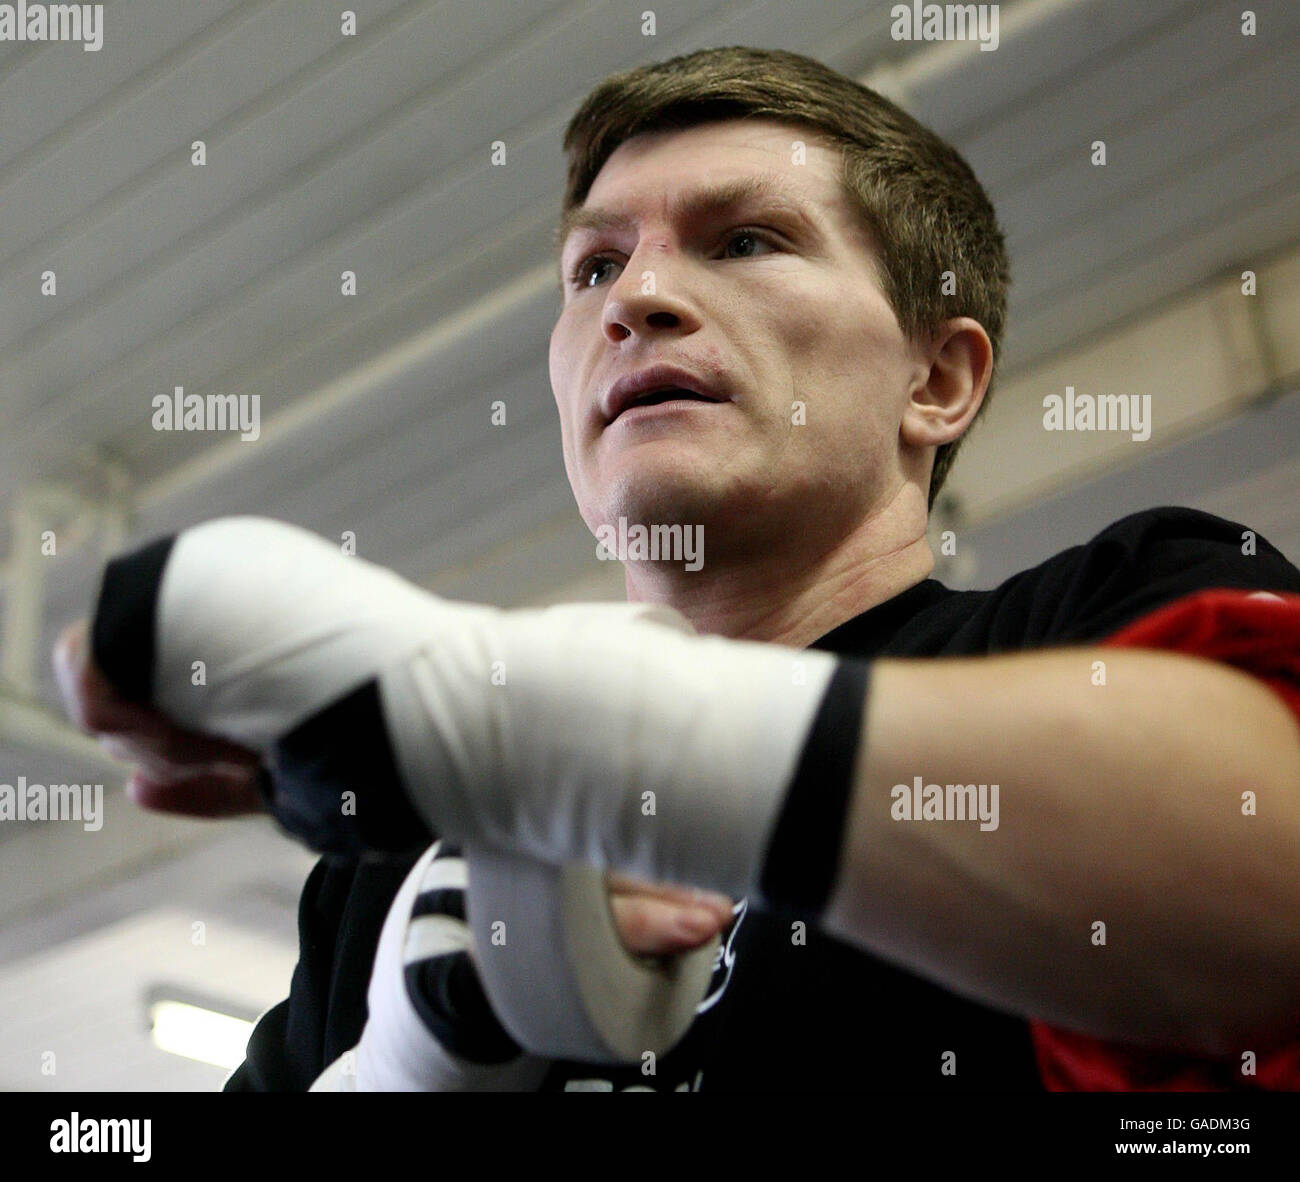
(660, 500)
(665, 499)
(679, 485)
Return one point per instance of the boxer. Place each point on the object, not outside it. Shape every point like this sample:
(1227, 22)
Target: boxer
(778, 327)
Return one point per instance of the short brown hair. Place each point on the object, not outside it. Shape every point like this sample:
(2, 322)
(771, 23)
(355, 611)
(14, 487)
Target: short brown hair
(917, 197)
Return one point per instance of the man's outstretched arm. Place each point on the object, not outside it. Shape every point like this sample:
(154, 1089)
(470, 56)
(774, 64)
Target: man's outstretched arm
(611, 739)
(1117, 804)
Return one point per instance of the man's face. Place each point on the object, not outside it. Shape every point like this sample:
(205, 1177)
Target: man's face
(771, 300)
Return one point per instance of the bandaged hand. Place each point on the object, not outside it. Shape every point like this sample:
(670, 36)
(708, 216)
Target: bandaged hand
(555, 744)
(430, 1024)
(602, 734)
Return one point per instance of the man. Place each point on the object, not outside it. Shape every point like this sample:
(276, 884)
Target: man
(782, 305)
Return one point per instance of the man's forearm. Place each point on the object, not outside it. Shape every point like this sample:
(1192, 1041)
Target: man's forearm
(1117, 804)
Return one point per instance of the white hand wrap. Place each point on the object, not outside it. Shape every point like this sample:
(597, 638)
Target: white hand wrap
(562, 978)
(588, 733)
(614, 741)
(398, 1052)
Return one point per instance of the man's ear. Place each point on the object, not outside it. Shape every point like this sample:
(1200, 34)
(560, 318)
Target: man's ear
(948, 395)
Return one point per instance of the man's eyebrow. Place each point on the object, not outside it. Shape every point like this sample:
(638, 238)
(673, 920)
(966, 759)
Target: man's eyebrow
(695, 204)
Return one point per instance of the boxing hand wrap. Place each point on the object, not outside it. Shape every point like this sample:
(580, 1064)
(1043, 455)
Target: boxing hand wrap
(614, 741)
(583, 733)
(559, 976)
(599, 734)
(245, 627)
(429, 1026)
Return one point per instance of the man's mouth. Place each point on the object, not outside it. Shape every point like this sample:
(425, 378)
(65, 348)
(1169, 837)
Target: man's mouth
(670, 394)
(659, 385)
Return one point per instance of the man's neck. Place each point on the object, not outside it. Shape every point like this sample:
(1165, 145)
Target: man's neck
(795, 597)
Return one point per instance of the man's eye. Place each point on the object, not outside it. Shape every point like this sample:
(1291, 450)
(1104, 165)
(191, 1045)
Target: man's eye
(591, 268)
(750, 236)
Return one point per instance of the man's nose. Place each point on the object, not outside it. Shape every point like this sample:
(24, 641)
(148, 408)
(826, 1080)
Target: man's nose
(648, 298)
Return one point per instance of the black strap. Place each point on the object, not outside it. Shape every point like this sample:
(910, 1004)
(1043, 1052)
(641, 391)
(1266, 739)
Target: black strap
(803, 853)
(123, 634)
(343, 748)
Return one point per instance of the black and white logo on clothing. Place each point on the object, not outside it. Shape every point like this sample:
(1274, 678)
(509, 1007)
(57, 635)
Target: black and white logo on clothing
(724, 961)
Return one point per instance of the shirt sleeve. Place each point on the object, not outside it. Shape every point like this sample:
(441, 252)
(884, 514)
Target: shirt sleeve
(1257, 632)
(1134, 567)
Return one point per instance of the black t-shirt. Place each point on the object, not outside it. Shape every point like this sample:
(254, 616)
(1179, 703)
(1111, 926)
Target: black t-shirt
(784, 1012)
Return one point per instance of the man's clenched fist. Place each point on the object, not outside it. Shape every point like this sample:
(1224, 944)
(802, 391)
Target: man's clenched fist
(177, 771)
